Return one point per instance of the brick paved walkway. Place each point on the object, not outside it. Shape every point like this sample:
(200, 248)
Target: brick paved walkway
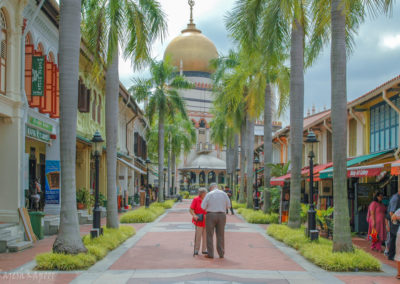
(162, 252)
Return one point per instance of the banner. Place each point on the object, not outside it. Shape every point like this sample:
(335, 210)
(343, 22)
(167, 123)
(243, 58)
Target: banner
(52, 182)
(38, 75)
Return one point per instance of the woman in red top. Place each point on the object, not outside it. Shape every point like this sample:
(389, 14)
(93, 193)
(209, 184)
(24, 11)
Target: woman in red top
(200, 234)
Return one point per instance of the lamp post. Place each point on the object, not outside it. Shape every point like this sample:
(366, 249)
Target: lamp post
(256, 163)
(172, 182)
(97, 140)
(312, 231)
(165, 172)
(148, 162)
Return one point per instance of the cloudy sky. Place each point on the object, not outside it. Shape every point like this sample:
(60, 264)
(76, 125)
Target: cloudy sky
(375, 60)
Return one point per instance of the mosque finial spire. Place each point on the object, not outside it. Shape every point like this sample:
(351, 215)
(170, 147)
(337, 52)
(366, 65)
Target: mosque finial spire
(191, 4)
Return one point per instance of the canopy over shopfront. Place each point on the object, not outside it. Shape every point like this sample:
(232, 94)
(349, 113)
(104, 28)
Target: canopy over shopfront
(395, 170)
(361, 171)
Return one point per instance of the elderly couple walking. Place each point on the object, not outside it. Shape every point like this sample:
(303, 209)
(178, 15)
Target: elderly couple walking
(209, 215)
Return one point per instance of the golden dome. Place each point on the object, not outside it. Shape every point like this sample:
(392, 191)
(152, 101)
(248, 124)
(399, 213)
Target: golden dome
(193, 50)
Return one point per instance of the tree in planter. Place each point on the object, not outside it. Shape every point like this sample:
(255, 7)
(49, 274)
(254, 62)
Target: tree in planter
(68, 239)
(161, 92)
(111, 25)
(82, 198)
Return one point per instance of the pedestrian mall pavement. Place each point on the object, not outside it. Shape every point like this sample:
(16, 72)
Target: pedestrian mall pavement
(162, 252)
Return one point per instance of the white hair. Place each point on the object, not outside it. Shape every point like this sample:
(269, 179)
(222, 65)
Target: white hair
(213, 185)
(202, 189)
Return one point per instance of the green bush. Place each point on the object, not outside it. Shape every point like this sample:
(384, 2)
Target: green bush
(185, 194)
(258, 216)
(237, 205)
(166, 204)
(143, 214)
(97, 248)
(320, 252)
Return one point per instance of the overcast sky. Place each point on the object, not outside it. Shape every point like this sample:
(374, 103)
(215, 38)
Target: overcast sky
(375, 60)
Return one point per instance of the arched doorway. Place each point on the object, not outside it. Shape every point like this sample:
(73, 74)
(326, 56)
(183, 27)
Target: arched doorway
(221, 178)
(211, 177)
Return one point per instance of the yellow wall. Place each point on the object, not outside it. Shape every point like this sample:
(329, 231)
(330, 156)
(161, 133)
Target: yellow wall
(40, 147)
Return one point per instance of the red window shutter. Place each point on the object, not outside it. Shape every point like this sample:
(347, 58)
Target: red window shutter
(57, 97)
(46, 100)
(53, 89)
(35, 100)
(28, 71)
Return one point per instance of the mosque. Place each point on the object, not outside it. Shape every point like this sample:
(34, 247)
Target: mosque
(191, 52)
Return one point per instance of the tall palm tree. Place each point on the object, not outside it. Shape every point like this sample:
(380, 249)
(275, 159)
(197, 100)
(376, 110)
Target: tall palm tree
(161, 92)
(131, 25)
(68, 239)
(339, 20)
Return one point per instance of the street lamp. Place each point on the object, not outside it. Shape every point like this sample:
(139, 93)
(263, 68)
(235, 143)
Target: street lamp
(165, 172)
(148, 162)
(312, 231)
(97, 140)
(172, 182)
(256, 162)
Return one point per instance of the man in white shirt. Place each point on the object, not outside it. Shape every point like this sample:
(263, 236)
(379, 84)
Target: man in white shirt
(215, 203)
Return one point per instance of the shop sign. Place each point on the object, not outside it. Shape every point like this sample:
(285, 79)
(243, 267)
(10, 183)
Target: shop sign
(40, 124)
(37, 134)
(38, 75)
(364, 172)
(52, 182)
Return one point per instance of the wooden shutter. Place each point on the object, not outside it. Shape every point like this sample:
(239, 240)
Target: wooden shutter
(56, 102)
(46, 100)
(28, 71)
(83, 97)
(87, 100)
(53, 88)
(35, 100)
(135, 147)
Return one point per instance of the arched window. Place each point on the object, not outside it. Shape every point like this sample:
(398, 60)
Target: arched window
(99, 110)
(3, 53)
(94, 106)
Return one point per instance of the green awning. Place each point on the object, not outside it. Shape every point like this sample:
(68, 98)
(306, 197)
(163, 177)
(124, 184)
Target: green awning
(328, 173)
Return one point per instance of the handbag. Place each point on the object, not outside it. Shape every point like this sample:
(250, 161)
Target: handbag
(200, 217)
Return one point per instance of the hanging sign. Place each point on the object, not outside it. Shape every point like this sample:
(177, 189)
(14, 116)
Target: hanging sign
(40, 124)
(37, 134)
(38, 75)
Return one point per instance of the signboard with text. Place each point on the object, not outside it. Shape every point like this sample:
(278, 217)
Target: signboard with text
(40, 124)
(37, 134)
(38, 75)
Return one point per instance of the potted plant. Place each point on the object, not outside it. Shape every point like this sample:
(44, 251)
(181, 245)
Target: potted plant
(82, 198)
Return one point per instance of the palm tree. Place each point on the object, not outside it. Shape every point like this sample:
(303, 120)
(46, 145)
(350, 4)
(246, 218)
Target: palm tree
(131, 25)
(161, 92)
(340, 24)
(68, 239)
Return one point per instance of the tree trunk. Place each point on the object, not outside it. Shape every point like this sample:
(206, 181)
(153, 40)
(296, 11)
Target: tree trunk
(169, 167)
(235, 162)
(229, 161)
(296, 121)
(68, 239)
(243, 137)
(341, 226)
(249, 162)
(161, 155)
(267, 147)
(112, 92)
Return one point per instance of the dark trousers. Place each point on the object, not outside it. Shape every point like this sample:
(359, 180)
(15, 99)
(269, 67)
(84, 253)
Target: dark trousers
(231, 208)
(392, 244)
(215, 222)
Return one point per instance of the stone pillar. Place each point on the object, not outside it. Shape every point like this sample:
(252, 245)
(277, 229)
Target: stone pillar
(206, 182)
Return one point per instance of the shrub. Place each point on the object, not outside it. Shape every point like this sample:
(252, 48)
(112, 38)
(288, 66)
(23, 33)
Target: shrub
(320, 252)
(258, 217)
(143, 214)
(185, 194)
(166, 204)
(97, 248)
(237, 205)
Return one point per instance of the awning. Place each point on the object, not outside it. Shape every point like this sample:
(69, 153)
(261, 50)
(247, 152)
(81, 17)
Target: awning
(316, 171)
(395, 168)
(328, 173)
(279, 181)
(131, 166)
(365, 171)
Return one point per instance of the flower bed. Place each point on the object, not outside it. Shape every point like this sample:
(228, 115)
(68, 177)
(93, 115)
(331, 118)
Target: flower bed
(258, 216)
(320, 252)
(97, 248)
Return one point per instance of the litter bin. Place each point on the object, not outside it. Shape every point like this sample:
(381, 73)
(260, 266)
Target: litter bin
(37, 223)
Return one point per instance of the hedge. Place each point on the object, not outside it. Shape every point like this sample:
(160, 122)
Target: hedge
(97, 249)
(320, 252)
(143, 214)
(258, 216)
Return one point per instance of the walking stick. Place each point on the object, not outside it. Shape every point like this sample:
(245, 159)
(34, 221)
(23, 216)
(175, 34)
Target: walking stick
(194, 244)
